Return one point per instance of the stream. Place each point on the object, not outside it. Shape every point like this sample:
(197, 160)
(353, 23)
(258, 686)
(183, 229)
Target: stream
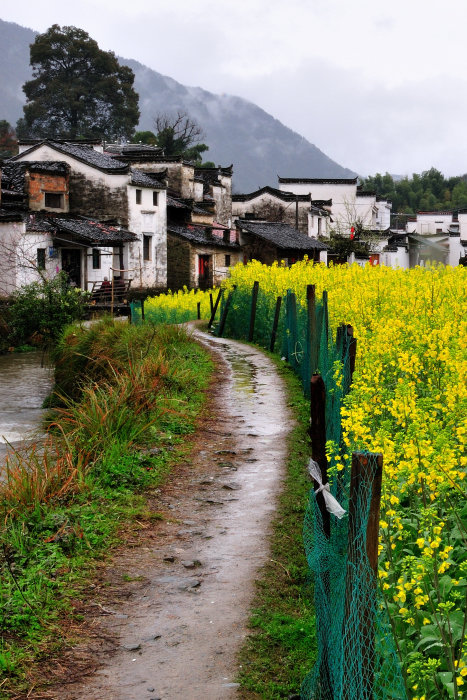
(25, 381)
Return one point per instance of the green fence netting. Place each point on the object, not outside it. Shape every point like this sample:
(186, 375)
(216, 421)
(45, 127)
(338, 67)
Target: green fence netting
(357, 657)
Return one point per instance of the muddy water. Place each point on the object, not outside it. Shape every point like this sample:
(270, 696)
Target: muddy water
(179, 630)
(24, 384)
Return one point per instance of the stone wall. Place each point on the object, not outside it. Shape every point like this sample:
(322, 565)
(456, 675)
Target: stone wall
(97, 200)
(178, 263)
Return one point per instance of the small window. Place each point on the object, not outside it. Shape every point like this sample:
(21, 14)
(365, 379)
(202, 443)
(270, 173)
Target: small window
(147, 247)
(41, 258)
(138, 196)
(155, 198)
(53, 200)
(227, 261)
(96, 259)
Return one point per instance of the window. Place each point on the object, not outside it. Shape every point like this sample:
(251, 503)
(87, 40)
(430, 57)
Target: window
(147, 247)
(227, 260)
(53, 200)
(41, 258)
(96, 259)
(138, 196)
(155, 198)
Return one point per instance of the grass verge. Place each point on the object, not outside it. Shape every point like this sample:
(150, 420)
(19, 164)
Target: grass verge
(125, 399)
(281, 648)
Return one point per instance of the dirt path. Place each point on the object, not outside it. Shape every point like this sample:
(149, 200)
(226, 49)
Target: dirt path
(170, 614)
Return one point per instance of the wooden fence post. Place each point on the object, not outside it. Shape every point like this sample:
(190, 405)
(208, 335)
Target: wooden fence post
(275, 324)
(226, 311)
(254, 299)
(142, 310)
(362, 570)
(347, 343)
(198, 309)
(292, 329)
(311, 333)
(211, 303)
(352, 350)
(326, 315)
(214, 311)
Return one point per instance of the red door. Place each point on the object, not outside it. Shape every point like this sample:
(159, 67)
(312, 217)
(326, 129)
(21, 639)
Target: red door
(374, 259)
(204, 272)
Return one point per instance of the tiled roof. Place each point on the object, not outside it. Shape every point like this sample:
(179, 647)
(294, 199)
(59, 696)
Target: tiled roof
(89, 155)
(322, 202)
(94, 231)
(84, 153)
(13, 176)
(200, 236)
(319, 211)
(213, 173)
(281, 235)
(7, 215)
(142, 179)
(280, 194)
(131, 149)
(80, 228)
(176, 203)
(319, 180)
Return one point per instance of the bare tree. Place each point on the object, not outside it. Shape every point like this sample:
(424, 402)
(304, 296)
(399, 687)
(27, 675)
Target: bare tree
(19, 260)
(179, 135)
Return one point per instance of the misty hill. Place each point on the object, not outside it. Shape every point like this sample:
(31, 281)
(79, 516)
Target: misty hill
(236, 130)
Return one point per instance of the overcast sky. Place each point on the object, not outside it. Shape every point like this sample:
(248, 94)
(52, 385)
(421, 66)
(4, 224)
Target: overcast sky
(378, 86)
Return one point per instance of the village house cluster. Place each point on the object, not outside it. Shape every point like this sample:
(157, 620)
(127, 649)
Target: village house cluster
(129, 213)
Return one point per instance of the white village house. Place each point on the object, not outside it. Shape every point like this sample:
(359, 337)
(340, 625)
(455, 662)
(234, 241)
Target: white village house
(127, 208)
(127, 211)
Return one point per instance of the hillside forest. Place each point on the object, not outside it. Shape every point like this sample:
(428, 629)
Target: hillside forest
(430, 191)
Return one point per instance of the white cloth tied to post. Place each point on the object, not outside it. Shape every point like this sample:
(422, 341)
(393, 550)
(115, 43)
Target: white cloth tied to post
(331, 503)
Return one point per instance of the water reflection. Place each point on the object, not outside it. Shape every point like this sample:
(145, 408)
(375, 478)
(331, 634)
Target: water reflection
(24, 384)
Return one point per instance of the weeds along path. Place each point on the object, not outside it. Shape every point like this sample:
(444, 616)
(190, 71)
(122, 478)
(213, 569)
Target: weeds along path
(170, 614)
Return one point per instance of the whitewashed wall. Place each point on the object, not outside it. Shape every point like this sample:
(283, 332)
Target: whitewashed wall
(150, 220)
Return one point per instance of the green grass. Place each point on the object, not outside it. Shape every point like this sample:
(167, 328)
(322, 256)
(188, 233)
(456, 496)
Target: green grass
(63, 509)
(281, 648)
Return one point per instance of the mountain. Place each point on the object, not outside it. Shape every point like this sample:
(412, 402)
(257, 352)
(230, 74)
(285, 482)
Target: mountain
(236, 130)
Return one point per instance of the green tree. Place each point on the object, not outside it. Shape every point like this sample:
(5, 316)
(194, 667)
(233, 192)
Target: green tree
(77, 90)
(40, 310)
(149, 138)
(8, 142)
(179, 135)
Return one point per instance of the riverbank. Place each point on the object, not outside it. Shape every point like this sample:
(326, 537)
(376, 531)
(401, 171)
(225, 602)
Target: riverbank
(63, 507)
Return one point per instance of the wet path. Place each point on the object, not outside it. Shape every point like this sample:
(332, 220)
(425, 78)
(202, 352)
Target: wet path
(181, 618)
(24, 384)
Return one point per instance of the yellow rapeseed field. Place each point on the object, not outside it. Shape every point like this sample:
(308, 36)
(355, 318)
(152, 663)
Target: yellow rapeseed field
(408, 401)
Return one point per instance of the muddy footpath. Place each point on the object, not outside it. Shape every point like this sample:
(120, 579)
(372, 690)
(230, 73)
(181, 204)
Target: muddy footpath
(166, 616)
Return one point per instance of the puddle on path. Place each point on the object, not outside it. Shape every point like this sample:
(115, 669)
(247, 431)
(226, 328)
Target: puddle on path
(179, 632)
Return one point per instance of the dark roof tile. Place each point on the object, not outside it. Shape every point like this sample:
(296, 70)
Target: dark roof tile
(200, 236)
(281, 235)
(84, 153)
(142, 179)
